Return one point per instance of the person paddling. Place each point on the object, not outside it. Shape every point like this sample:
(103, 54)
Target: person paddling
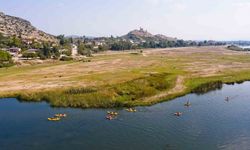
(188, 104)
(178, 113)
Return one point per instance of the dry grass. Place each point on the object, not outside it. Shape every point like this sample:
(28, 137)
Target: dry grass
(114, 68)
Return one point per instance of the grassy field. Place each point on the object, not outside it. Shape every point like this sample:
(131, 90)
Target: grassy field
(124, 79)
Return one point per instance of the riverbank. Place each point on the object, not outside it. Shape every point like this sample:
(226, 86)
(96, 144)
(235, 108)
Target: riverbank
(125, 79)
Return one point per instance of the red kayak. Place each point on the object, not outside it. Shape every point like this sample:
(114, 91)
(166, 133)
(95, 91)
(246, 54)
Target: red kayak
(109, 117)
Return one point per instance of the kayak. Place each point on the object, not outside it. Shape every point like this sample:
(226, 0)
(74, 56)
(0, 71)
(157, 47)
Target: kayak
(131, 110)
(112, 113)
(109, 117)
(54, 119)
(187, 104)
(60, 115)
(178, 114)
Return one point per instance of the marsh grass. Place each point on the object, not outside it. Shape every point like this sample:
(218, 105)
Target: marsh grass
(82, 90)
(129, 93)
(206, 87)
(116, 95)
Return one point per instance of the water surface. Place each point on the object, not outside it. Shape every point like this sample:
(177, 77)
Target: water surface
(246, 46)
(210, 123)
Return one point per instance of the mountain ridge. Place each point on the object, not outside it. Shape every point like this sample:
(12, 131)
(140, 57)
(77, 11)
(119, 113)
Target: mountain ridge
(144, 35)
(16, 26)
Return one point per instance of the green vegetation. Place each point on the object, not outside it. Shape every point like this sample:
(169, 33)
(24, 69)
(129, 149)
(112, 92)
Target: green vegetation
(13, 41)
(121, 45)
(5, 59)
(209, 86)
(237, 48)
(116, 95)
(29, 55)
(126, 79)
(89, 46)
(66, 58)
(84, 49)
(127, 94)
(48, 51)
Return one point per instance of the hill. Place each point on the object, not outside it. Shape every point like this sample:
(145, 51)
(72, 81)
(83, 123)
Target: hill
(14, 26)
(143, 35)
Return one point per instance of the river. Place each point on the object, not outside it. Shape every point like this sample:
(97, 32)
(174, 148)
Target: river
(211, 123)
(245, 46)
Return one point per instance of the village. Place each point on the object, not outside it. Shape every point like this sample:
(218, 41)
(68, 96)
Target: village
(16, 52)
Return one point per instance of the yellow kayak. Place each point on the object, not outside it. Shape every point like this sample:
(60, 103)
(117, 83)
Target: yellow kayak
(131, 110)
(60, 115)
(54, 119)
(112, 113)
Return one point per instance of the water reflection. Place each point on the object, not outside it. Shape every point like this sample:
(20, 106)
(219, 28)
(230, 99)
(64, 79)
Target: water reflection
(207, 87)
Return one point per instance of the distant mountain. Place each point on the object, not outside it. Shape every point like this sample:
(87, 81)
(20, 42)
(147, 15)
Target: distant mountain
(73, 36)
(14, 26)
(163, 37)
(78, 36)
(143, 35)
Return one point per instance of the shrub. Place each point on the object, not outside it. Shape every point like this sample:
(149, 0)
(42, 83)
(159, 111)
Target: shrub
(235, 48)
(5, 59)
(80, 90)
(87, 60)
(64, 58)
(29, 55)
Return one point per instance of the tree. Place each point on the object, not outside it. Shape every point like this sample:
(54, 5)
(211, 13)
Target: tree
(55, 52)
(61, 39)
(103, 47)
(71, 40)
(180, 43)
(46, 50)
(84, 51)
(2, 41)
(36, 45)
(16, 42)
(81, 48)
(29, 55)
(121, 45)
(5, 59)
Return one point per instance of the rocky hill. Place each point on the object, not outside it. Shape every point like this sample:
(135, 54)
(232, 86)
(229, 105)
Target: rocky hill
(143, 35)
(163, 37)
(14, 26)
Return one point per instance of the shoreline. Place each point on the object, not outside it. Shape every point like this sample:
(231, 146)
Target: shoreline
(150, 102)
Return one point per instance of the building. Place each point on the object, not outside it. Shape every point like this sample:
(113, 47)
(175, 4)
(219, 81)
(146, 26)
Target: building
(95, 47)
(14, 51)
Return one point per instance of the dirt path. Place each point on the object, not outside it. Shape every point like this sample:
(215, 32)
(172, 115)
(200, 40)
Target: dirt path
(179, 87)
(144, 54)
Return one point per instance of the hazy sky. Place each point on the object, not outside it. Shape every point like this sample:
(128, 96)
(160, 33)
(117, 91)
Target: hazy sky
(187, 19)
